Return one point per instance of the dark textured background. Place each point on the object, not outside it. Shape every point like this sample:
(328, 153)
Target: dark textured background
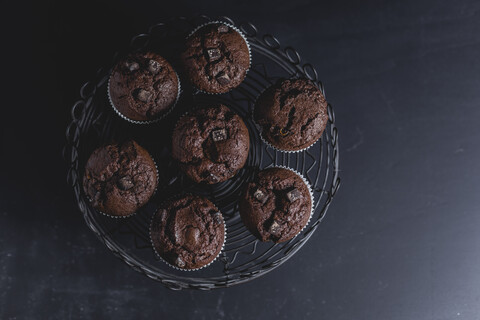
(401, 239)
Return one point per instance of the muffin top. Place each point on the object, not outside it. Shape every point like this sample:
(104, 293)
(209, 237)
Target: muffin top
(143, 86)
(120, 178)
(216, 58)
(292, 114)
(211, 144)
(276, 205)
(188, 232)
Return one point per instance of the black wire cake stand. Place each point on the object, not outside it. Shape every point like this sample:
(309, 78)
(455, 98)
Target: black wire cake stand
(244, 257)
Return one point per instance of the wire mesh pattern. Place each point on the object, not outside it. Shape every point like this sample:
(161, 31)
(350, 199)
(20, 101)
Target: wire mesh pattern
(244, 257)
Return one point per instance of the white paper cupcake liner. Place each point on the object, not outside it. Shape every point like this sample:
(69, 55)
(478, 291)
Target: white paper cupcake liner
(240, 33)
(146, 121)
(173, 266)
(282, 150)
(310, 191)
(134, 213)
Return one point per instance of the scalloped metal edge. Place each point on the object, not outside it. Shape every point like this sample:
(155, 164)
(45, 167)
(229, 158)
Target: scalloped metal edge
(134, 213)
(168, 263)
(149, 121)
(244, 38)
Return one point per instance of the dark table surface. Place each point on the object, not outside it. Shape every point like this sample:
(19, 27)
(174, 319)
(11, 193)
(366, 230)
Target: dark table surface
(401, 238)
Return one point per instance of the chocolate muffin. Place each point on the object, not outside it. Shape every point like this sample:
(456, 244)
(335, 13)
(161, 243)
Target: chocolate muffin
(211, 144)
(292, 114)
(188, 232)
(120, 178)
(277, 205)
(216, 58)
(143, 87)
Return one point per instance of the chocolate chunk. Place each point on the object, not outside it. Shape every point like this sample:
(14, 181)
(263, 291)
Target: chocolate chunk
(125, 183)
(223, 79)
(218, 217)
(143, 95)
(275, 228)
(154, 67)
(293, 195)
(191, 236)
(260, 196)
(222, 28)
(213, 54)
(179, 262)
(219, 135)
(132, 65)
